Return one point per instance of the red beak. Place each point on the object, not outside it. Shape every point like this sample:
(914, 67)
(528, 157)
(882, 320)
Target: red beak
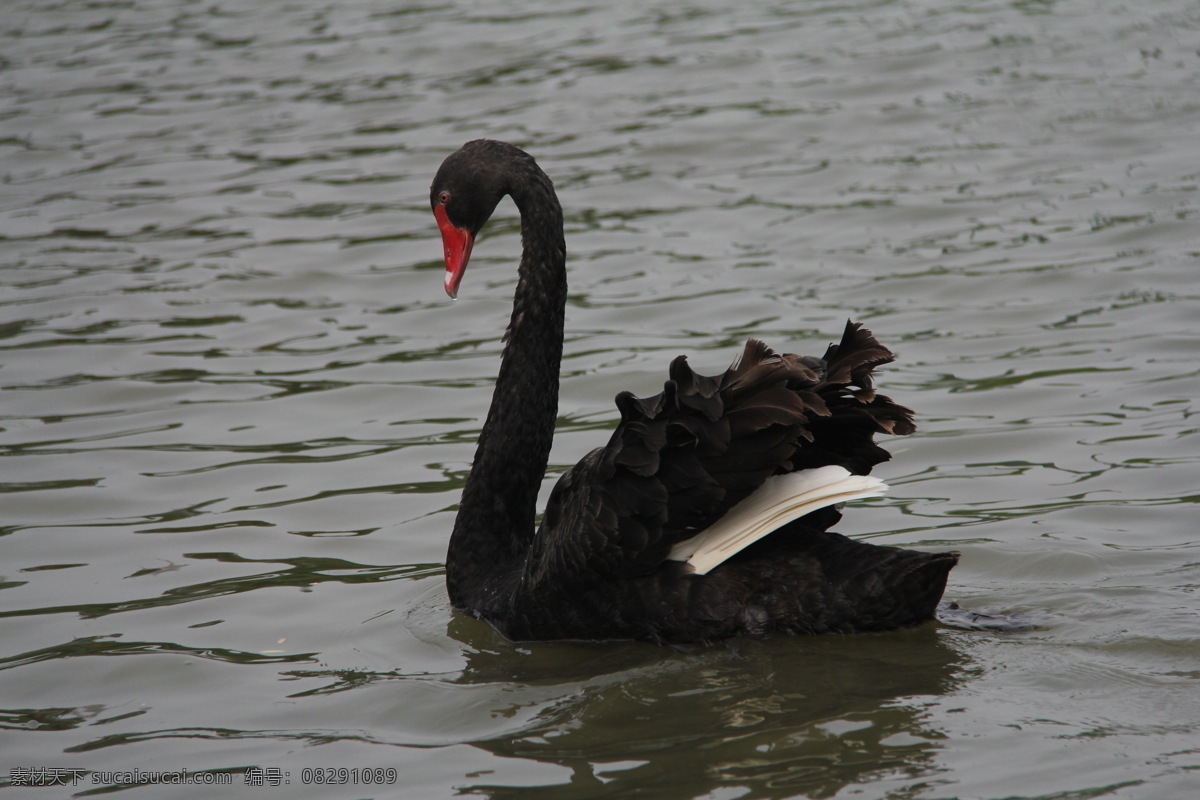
(457, 244)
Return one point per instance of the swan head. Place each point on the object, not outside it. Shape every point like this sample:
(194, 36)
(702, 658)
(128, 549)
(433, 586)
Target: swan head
(465, 191)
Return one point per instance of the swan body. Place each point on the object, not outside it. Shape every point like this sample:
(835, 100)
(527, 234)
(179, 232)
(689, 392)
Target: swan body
(706, 514)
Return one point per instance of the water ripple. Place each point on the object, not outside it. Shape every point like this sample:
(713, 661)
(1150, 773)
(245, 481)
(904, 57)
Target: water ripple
(238, 411)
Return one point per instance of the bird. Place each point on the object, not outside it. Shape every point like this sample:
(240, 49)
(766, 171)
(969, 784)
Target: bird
(706, 515)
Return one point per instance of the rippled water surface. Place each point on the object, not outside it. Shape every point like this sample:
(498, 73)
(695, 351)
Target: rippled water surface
(238, 409)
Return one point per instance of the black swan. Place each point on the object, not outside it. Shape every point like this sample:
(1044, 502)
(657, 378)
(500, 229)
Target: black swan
(706, 514)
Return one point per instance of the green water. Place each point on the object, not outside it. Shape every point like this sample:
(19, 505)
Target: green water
(237, 408)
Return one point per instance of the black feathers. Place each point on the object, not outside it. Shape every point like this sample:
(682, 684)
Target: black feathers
(598, 567)
(680, 459)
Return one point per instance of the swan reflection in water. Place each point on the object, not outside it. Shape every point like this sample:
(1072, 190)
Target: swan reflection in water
(811, 715)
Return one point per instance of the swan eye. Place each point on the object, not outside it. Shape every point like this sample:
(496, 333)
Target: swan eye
(444, 198)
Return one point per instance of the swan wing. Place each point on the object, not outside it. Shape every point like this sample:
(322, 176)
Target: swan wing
(779, 500)
(680, 461)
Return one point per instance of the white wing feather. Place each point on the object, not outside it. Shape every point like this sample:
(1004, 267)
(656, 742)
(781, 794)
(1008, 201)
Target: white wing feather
(778, 501)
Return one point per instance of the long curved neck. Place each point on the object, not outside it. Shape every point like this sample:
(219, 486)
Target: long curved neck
(495, 523)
